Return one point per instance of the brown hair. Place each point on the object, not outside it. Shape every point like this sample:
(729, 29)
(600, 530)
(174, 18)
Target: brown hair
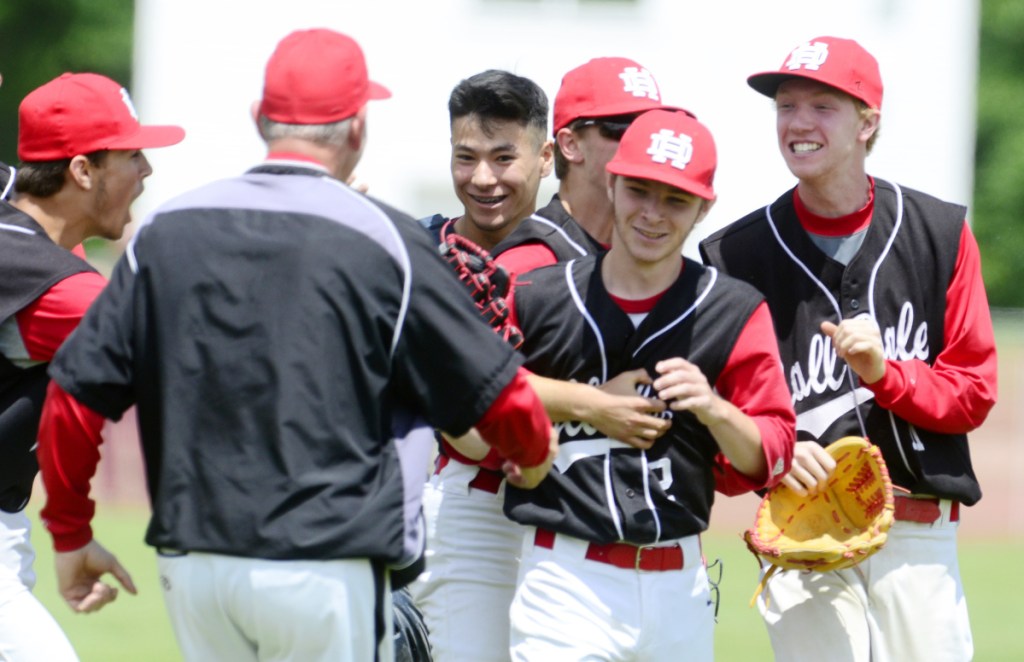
(42, 179)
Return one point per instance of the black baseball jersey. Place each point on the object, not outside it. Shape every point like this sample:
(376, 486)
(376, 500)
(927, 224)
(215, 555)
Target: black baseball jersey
(604, 490)
(7, 176)
(551, 226)
(555, 228)
(433, 225)
(30, 264)
(277, 331)
(900, 277)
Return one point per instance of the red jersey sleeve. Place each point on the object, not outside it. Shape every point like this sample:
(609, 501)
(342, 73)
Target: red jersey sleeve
(517, 425)
(70, 435)
(46, 322)
(516, 261)
(521, 260)
(526, 257)
(956, 393)
(753, 381)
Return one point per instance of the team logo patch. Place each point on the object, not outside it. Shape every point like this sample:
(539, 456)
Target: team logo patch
(667, 147)
(808, 56)
(639, 83)
(128, 102)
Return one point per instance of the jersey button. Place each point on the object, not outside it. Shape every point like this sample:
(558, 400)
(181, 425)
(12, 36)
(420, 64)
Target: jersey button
(630, 493)
(854, 304)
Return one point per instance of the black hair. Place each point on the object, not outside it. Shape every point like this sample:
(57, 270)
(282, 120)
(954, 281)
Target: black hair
(500, 95)
(43, 179)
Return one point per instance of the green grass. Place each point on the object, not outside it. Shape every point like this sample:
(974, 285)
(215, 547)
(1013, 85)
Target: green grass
(994, 585)
(135, 628)
(992, 581)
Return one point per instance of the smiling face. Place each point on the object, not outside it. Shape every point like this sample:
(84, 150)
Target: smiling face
(652, 220)
(496, 166)
(822, 135)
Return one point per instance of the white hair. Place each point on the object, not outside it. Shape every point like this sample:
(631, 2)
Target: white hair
(333, 133)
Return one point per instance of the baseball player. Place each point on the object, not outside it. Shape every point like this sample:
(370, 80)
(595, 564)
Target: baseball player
(594, 104)
(884, 332)
(79, 141)
(611, 565)
(499, 155)
(290, 345)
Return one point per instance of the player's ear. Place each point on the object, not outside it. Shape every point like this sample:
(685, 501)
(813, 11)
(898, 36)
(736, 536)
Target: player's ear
(82, 172)
(254, 111)
(705, 207)
(547, 158)
(357, 130)
(566, 140)
(611, 187)
(869, 120)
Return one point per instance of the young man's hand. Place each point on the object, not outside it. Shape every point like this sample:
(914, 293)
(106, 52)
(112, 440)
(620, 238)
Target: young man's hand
(79, 573)
(812, 466)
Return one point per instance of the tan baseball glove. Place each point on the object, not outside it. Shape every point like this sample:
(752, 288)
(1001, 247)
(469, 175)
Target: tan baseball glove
(836, 528)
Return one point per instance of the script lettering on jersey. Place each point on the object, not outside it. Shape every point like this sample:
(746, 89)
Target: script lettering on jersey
(574, 429)
(821, 370)
(825, 372)
(647, 391)
(897, 340)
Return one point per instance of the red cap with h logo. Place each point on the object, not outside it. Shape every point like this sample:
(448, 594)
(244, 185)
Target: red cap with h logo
(839, 63)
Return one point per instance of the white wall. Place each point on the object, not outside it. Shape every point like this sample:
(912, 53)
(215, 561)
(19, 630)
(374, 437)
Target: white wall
(199, 63)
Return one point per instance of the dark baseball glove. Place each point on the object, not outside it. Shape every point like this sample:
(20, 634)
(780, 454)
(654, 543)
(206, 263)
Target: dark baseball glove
(836, 528)
(412, 643)
(487, 281)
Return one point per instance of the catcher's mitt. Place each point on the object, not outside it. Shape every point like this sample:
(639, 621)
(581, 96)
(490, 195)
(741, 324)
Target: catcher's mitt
(487, 281)
(836, 528)
(412, 640)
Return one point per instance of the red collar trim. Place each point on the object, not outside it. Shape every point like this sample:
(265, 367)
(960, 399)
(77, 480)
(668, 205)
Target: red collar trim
(640, 306)
(842, 226)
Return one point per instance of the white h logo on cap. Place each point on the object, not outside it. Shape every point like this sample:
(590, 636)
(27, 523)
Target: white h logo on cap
(640, 83)
(666, 145)
(809, 55)
(128, 102)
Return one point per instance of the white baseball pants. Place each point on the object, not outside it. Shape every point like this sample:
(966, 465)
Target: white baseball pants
(27, 630)
(906, 602)
(241, 609)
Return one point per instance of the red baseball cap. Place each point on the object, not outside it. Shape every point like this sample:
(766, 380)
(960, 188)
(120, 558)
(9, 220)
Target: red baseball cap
(605, 87)
(671, 147)
(839, 63)
(83, 113)
(317, 77)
